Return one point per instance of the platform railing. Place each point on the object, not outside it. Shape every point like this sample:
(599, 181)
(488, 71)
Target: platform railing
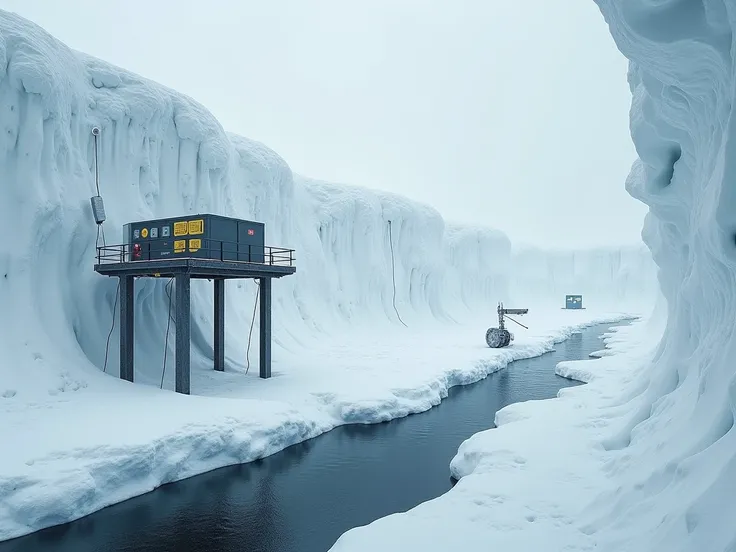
(219, 250)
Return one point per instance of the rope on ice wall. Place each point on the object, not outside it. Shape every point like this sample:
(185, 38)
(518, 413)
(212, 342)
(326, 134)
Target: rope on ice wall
(168, 327)
(393, 272)
(250, 333)
(112, 327)
(98, 210)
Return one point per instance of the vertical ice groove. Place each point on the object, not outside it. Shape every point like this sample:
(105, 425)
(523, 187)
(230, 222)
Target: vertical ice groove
(682, 80)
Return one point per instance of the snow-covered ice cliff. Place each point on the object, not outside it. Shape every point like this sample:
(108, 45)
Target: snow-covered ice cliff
(643, 458)
(98, 440)
(163, 154)
(674, 452)
(606, 276)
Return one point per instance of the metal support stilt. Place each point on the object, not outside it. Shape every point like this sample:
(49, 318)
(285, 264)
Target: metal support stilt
(127, 324)
(265, 354)
(220, 324)
(183, 333)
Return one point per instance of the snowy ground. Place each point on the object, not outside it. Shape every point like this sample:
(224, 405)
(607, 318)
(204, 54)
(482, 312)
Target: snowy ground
(70, 454)
(525, 484)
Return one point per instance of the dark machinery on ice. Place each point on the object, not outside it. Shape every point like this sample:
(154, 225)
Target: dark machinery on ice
(501, 337)
(573, 302)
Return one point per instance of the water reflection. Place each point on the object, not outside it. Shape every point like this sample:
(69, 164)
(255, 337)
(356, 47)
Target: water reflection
(305, 497)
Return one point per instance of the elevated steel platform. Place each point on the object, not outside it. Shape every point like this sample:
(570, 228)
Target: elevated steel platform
(196, 268)
(119, 261)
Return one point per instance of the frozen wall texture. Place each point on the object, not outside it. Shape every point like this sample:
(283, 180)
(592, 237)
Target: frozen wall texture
(163, 154)
(607, 277)
(674, 457)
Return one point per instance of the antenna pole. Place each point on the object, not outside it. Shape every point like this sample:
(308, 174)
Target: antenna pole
(95, 134)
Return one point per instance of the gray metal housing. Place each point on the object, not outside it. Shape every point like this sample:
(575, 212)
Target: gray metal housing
(204, 236)
(98, 209)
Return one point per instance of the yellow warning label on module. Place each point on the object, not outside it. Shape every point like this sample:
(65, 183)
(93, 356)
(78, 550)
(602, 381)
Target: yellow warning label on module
(179, 246)
(181, 228)
(144, 233)
(194, 245)
(196, 227)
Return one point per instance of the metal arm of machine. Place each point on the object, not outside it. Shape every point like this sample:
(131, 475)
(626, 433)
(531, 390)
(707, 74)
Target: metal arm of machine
(519, 323)
(502, 312)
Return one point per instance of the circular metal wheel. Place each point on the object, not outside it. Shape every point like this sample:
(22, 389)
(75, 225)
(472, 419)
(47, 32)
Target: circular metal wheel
(506, 338)
(497, 338)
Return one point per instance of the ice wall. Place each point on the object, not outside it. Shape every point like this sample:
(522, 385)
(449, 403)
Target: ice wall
(607, 277)
(674, 458)
(162, 154)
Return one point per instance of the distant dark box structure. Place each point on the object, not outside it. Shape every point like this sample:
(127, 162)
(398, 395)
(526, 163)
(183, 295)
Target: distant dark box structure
(198, 246)
(573, 301)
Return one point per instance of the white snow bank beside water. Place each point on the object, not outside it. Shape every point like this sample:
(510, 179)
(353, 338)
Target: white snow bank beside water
(643, 458)
(75, 439)
(525, 484)
(117, 440)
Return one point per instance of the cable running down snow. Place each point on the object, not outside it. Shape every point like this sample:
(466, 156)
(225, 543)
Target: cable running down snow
(167, 289)
(95, 133)
(112, 327)
(98, 209)
(393, 272)
(252, 322)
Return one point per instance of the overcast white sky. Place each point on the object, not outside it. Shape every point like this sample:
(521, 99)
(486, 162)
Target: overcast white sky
(512, 114)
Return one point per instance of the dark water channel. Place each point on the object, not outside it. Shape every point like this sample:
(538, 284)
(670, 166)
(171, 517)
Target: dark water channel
(303, 498)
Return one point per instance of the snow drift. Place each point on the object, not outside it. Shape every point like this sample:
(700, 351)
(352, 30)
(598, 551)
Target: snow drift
(99, 440)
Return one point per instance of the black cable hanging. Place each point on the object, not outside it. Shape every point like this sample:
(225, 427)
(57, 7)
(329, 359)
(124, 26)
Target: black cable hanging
(252, 322)
(393, 272)
(95, 134)
(112, 327)
(167, 289)
(98, 210)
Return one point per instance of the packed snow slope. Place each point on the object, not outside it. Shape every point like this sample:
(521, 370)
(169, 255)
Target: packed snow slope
(340, 353)
(646, 457)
